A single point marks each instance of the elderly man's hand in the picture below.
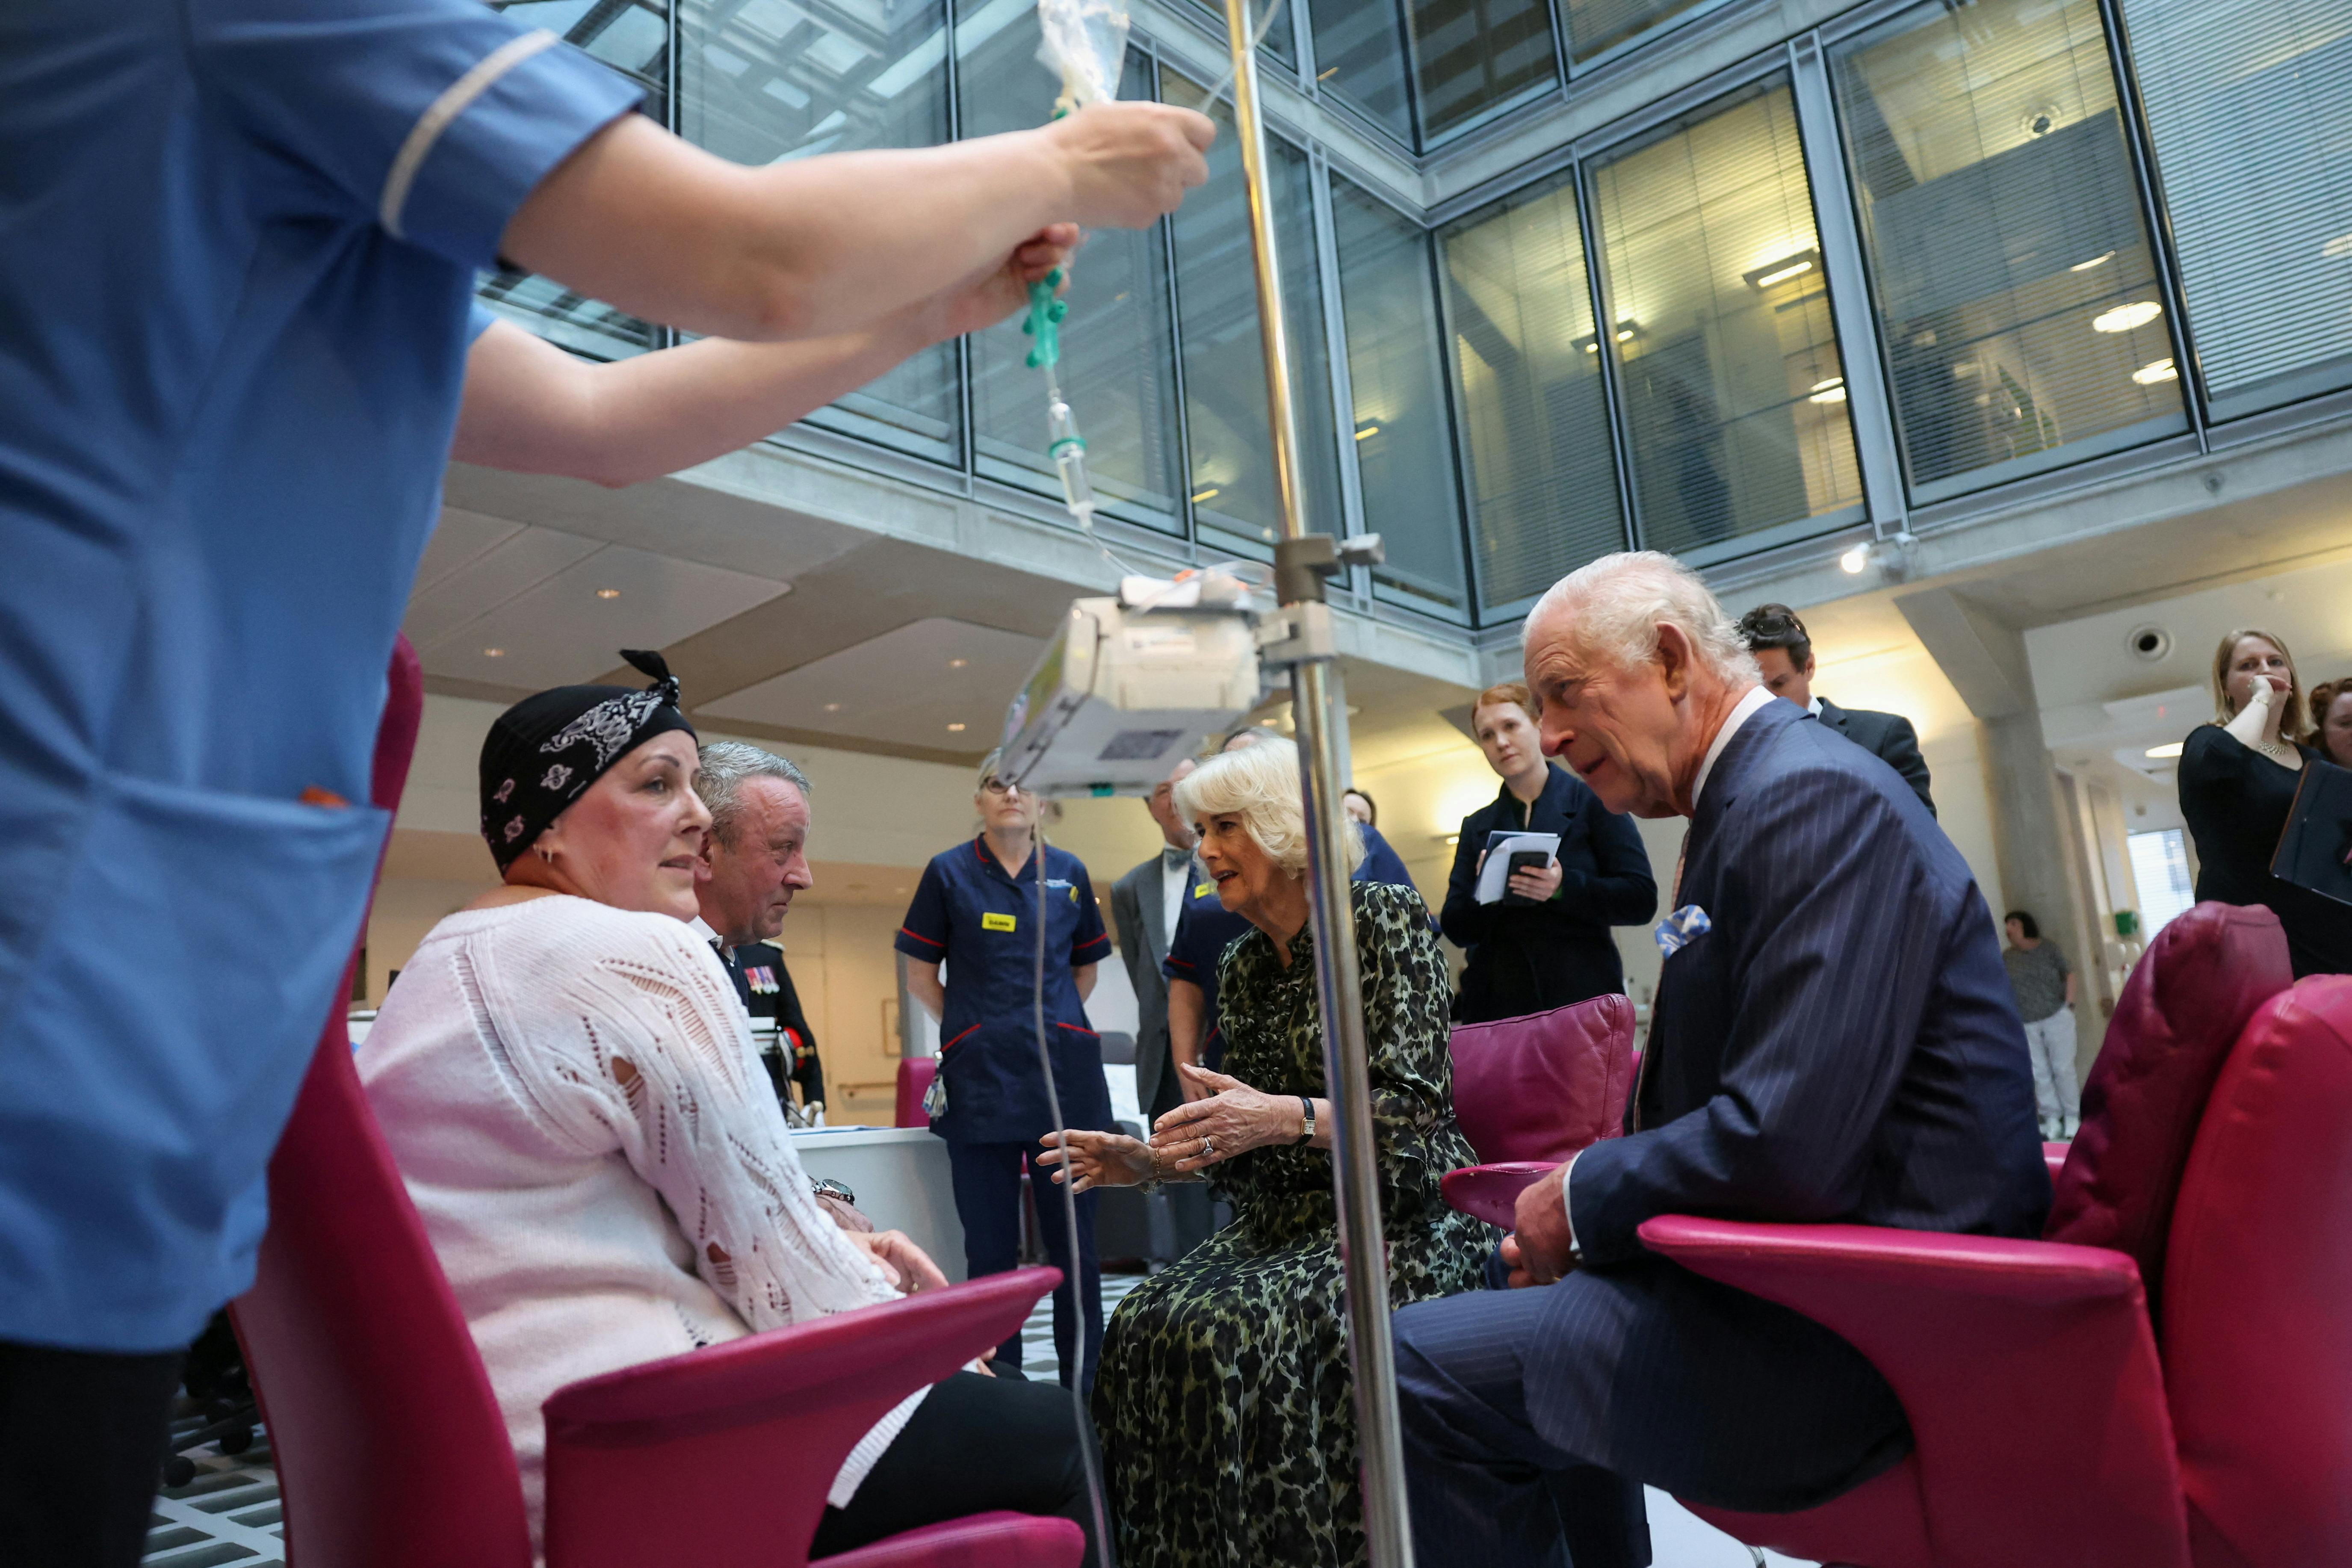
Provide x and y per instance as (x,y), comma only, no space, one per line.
(906,1266)
(1235,1118)
(1538,1251)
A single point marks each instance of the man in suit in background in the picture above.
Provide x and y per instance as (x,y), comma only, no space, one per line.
(754,858)
(1784,654)
(1144,906)
(1834,1040)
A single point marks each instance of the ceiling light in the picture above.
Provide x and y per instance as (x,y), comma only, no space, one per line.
(955,729)
(2124,318)
(1830,391)
(1592,347)
(832,707)
(1855,560)
(1782,271)
(2094,261)
(494,653)
(2163,754)
(1209,494)
(2337,249)
(958,663)
(1327,76)
(608,593)
(1368,431)
(2156,371)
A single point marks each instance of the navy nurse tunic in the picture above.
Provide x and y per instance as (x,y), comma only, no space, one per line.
(982,923)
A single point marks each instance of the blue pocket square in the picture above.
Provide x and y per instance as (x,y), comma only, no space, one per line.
(1677,930)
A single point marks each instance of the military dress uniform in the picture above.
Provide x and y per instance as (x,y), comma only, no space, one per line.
(764,986)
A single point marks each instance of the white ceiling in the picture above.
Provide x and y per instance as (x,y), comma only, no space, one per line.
(903,687)
(533,593)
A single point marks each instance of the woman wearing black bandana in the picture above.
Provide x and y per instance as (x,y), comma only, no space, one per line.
(569,1087)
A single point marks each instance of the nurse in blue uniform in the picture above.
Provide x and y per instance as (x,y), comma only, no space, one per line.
(976,912)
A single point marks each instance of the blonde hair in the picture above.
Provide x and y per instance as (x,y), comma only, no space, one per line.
(1620,601)
(1260,784)
(2291,714)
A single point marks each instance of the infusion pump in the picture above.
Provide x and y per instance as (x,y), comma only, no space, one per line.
(1130,685)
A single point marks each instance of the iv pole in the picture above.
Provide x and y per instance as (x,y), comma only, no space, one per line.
(1302,562)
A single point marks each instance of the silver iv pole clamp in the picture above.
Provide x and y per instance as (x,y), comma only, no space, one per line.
(1302,561)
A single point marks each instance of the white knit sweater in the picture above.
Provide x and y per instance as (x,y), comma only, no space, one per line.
(571,1095)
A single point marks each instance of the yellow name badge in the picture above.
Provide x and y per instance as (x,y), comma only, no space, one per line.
(1204,890)
(995,922)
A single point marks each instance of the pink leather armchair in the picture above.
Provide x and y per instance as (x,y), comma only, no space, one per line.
(2054,1423)
(1531,1091)
(390,1447)
(915,1076)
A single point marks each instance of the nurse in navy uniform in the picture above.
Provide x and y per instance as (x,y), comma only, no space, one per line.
(976,912)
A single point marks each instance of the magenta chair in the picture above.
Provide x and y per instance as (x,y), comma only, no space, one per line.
(915,1076)
(2060,1418)
(390,1447)
(1531,1091)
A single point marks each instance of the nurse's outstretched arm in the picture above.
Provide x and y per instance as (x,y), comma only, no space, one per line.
(642,220)
(531,408)
(1085,975)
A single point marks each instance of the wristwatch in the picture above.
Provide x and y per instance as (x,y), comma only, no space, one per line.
(826,1187)
(1306,1111)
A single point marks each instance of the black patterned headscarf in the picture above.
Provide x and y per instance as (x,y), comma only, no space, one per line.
(544,751)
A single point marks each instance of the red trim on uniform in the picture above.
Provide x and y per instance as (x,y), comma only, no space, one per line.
(943,1046)
(1074,1028)
(1104,939)
(919,936)
(1172,958)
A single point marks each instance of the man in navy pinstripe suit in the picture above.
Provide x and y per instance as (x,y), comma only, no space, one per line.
(1834,1040)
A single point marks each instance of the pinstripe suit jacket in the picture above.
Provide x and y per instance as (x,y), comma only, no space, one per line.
(1842,1043)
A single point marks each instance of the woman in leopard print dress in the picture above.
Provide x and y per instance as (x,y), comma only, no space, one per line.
(1225,1402)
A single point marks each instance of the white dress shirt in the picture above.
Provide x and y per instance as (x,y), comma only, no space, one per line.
(1745,708)
(1175,877)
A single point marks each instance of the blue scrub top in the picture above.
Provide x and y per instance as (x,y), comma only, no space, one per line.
(967,912)
(1205,928)
(239,240)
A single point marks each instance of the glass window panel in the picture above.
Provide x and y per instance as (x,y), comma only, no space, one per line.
(1116,366)
(1734,397)
(760,81)
(1232,488)
(2250,102)
(1360,55)
(1535,420)
(1595,26)
(1403,441)
(633,39)
(2016,290)
(1272,20)
(1476,55)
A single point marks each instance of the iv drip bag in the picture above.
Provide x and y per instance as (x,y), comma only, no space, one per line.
(1086,41)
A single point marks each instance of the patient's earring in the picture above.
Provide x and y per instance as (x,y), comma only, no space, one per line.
(546,855)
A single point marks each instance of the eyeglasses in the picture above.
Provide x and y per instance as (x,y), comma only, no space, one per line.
(998,786)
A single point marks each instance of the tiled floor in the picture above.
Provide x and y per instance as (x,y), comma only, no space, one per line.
(230,1513)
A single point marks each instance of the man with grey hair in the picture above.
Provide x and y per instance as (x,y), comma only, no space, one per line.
(754,859)
(1833,1040)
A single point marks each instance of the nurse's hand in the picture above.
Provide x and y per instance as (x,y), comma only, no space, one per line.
(906,1266)
(1128,163)
(1101,1160)
(1235,1118)
(987,297)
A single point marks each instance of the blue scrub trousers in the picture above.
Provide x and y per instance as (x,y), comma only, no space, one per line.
(988,1200)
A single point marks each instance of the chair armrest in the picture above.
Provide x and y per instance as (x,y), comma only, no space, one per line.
(723,1456)
(1491,1192)
(2028,1370)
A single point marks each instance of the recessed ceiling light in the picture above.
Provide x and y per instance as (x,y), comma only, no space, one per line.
(1855,560)
(1369,430)
(2157,370)
(2125,318)
(494,653)
(2094,261)
(958,663)
(832,707)
(608,593)
(2161,753)
(1830,391)
(956,729)
(1209,494)
(1782,271)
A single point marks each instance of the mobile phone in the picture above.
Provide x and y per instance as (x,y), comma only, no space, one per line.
(1522,860)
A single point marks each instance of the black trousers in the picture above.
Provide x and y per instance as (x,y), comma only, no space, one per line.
(974,1444)
(987,1180)
(81,1444)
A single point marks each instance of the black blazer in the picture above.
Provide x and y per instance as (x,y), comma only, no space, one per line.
(782,1005)
(1886,736)
(1529,958)
(1842,1043)
(1136,915)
